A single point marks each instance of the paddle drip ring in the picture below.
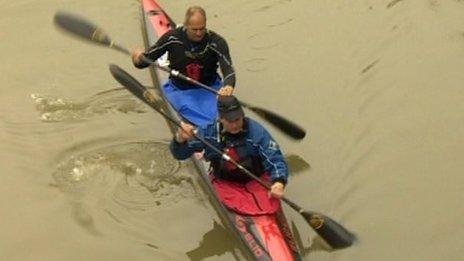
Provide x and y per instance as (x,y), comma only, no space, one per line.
(98,35)
(316,221)
(149,97)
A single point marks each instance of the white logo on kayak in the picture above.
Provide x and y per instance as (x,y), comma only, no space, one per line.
(273,145)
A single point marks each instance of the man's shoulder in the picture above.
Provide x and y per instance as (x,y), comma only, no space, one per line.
(255,128)
(253,123)
(175,33)
(178,31)
(208,129)
(215,37)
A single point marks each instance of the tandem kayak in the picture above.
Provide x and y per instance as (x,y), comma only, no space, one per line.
(262,237)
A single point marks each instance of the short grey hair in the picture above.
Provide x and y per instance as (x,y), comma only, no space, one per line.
(193,10)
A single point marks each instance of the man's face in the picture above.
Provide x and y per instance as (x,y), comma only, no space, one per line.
(196,27)
(232,127)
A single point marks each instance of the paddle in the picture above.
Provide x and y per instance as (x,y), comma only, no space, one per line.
(280,122)
(332,232)
(80,27)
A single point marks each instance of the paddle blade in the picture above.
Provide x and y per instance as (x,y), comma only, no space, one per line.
(129,82)
(134,86)
(333,233)
(296,164)
(279,122)
(137,89)
(80,27)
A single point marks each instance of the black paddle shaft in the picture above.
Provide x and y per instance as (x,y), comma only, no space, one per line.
(280,122)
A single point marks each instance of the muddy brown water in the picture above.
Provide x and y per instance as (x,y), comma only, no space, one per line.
(85,169)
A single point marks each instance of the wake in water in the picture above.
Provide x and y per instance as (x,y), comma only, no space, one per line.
(136,175)
(57,109)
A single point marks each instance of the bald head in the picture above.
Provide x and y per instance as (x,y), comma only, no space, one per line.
(195,23)
(194,10)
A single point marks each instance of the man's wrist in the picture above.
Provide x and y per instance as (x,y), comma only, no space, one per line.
(179,139)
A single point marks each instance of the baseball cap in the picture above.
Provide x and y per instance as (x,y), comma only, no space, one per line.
(229,108)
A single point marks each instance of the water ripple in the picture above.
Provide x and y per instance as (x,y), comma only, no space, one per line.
(135,175)
(57,109)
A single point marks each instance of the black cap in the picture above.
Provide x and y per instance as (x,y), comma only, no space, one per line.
(229,108)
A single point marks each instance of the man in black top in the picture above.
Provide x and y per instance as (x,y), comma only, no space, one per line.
(196,52)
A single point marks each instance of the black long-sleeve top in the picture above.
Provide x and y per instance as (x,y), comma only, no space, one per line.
(199,61)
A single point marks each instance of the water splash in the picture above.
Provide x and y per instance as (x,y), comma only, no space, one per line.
(57,109)
(137,175)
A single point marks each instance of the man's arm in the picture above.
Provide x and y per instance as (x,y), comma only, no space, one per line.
(272,157)
(225,63)
(274,163)
(141,59)
(183,145)
(181,151)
